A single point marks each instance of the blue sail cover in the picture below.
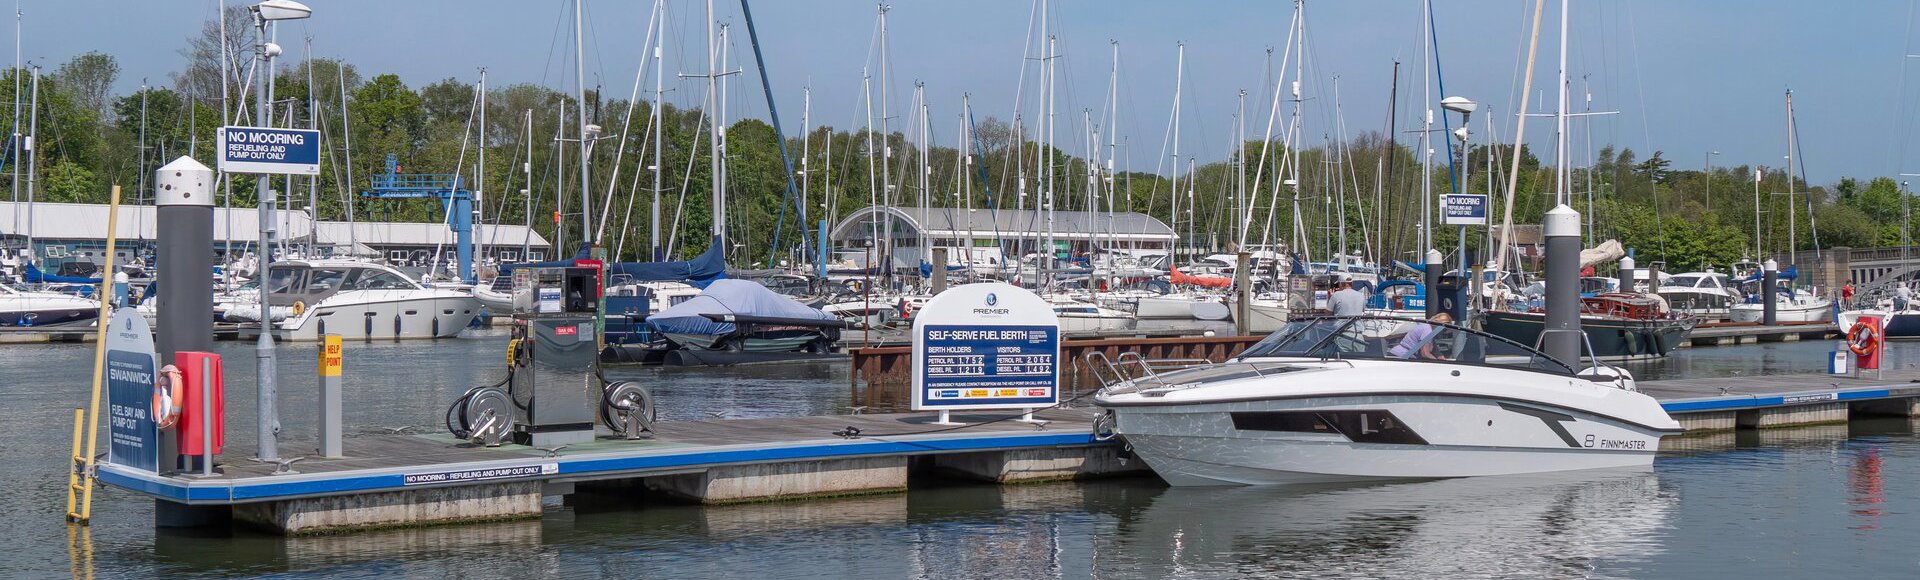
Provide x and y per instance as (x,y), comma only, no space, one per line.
(701,270)
(742,297)
(34,275)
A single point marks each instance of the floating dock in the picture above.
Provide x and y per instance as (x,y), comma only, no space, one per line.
(406,480)
(419,479)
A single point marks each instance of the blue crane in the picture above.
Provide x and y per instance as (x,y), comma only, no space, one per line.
(454,199)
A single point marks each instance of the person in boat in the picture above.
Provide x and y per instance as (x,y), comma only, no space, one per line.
(1418,343)
(1902,296)
(1345,300)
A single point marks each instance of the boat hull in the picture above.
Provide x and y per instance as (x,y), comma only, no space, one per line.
(1612,338)
(442,315)
(1816,312)
(1432,436)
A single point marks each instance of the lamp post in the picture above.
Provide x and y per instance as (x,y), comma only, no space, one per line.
(1465,108)
(1710,156)
(269,428)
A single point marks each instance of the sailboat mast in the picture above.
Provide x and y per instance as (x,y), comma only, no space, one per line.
(1792,244)
(346,137)
(479,174)
(1299,135)
(659,161)
(717,197)
(586,141)
(526,175)
(1426,129)
(1179,78)
(1560,117)
(806,149)
(1240,167)
(886,148)
(33,155)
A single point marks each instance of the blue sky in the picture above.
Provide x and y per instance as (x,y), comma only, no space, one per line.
(1687,76)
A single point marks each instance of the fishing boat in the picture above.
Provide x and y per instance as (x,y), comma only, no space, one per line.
(1319,402)
(1617,324)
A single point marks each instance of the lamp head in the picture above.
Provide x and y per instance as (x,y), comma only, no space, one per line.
(1459,105)
(282,10)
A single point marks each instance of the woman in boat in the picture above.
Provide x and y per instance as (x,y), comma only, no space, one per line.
(1418,343)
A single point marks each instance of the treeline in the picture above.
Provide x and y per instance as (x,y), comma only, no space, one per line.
(1366,188)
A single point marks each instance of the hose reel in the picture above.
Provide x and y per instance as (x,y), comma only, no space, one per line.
(628,409)
(483,416)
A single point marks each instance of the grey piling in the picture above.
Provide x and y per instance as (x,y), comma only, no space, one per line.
(1562,336)
(183,190)
(1432,281)
(1626,274)
(1242,293)
(1769,280)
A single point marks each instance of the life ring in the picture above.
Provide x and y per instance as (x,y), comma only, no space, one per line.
(167,393)
(1863,339)
(299,307)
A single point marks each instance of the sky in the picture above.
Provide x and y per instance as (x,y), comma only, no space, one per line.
(1686,76)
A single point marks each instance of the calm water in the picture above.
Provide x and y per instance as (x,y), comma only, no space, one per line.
(1830,501)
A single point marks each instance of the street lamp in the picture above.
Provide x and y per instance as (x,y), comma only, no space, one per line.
(1710,156)
(269,429)
(1465,108)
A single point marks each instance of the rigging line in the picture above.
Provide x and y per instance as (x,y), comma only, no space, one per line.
(1639,83)
(1799,154)
(626,126)
(1904,106)
(786,160)
(1446,124)
(459,162)
(686,182)
(1266,145)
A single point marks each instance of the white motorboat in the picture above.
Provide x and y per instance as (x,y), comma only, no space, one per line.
(1319,402)
(42,309)
(1703,294)
(1265,313)
(356,300)
(1894,324)
(1789,306)
(1081,317)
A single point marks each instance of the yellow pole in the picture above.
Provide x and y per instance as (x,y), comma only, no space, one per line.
(85,483)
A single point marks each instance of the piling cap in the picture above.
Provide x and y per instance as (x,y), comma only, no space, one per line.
(1626,263)
(1770,265)
(183,182)
(1434,257)
(1562,221)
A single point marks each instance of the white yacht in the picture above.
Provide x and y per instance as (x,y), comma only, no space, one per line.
(1703,294)
(1081,317)
(356,300)
(1789,306)
(1319,402)
(41,309)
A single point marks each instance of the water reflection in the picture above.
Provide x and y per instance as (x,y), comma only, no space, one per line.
(1524,526)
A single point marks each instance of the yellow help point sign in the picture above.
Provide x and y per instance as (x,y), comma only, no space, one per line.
(330,356)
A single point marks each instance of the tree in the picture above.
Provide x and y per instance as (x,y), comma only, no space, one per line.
(90,76)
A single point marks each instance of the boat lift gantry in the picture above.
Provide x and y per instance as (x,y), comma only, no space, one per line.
(454,199)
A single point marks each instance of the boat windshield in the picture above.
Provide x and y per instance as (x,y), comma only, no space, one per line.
(1349,338)
(1681,281)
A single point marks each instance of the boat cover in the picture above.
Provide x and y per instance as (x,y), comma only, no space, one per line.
(35,276)
(741,297)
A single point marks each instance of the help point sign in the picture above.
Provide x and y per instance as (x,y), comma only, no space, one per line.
(268,150)
(986,346)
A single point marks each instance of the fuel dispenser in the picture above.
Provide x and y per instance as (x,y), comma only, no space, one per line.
(553,391)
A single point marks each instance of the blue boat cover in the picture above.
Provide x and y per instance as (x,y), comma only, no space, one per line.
(1792,271)
(700,271)
(35,276)
(743,297)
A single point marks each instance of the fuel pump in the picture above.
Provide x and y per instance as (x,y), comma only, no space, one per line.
(553,390)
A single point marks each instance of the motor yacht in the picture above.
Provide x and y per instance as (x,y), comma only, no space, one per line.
(41,309)
(1319,402)
(1703,294)
(356,300)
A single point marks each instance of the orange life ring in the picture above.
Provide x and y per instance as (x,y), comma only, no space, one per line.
(1863,339)
(167,393)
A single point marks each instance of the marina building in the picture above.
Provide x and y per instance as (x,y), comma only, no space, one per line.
(1011,231)
(77,233)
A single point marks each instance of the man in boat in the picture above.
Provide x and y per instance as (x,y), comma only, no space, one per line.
(1418,343)
(1902,296)
(1345,300)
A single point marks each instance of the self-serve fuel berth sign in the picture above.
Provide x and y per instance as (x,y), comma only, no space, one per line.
(268,150)
(986,346)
